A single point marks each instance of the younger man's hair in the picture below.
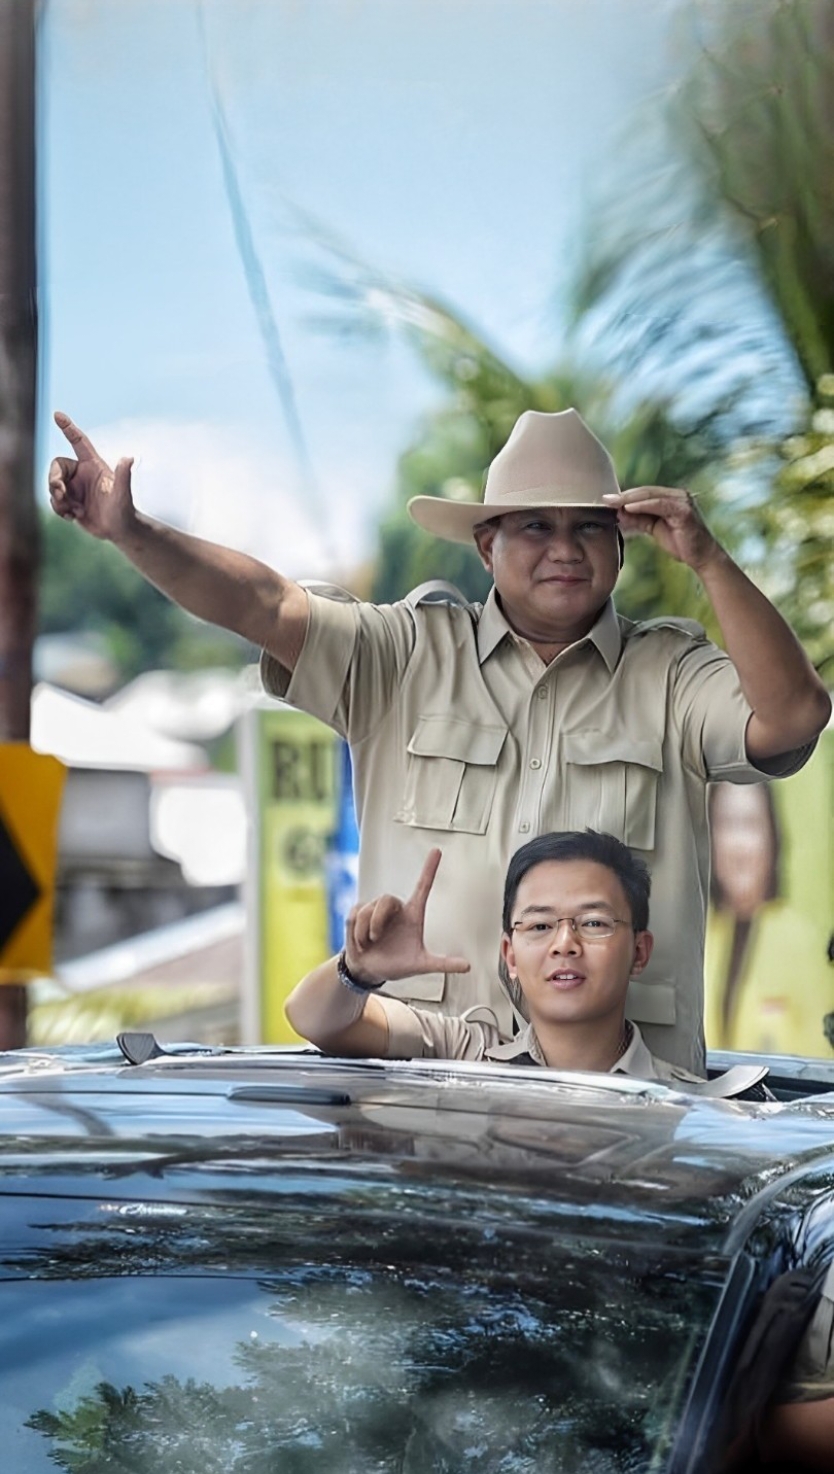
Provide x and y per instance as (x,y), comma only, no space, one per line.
(588,844)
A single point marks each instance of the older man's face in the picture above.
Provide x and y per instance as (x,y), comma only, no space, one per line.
(553,569)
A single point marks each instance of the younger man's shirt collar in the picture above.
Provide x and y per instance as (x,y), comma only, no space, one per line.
(637,1059)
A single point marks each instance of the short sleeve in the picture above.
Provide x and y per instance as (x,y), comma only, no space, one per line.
(812,1373)
(713,714)
(352,661)
(414,1033)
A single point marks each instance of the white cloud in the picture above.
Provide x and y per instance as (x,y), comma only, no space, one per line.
(244,491)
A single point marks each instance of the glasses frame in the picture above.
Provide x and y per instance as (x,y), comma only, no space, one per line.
(574,923)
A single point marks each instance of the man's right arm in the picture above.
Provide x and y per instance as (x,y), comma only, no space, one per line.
(383,940)
(335,1018)
(217,584)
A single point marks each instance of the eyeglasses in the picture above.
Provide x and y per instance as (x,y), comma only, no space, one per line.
(591,926)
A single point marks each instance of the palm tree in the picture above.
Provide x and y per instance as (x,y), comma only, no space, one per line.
(727,295)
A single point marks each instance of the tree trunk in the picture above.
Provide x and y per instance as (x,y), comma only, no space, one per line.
(18,361)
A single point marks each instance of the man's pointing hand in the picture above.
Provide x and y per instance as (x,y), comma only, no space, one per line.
(85,490)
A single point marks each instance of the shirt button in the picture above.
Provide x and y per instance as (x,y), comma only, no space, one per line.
(535,762)
(542,693)
(524,828)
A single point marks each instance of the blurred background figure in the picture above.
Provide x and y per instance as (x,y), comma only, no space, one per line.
(745,876)
(769,983)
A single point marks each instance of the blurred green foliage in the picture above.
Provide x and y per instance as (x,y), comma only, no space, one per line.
(710,269)
(88,587)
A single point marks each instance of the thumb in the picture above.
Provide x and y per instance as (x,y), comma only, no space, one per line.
(449,964)
(121,476)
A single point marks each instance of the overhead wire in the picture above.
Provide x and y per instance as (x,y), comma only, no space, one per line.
(259,295)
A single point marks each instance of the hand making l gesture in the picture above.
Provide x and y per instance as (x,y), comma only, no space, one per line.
(384,938)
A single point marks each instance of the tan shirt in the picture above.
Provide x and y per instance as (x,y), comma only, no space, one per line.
(462,737)
(811,1377)
(414,1033)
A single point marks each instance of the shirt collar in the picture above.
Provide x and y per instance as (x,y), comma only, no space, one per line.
(637,1060)
(605,633)
(524,1042)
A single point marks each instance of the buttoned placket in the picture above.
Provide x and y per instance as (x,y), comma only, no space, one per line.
(536,766)
(539,736)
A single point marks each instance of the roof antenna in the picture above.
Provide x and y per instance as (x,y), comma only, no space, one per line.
(139,1048)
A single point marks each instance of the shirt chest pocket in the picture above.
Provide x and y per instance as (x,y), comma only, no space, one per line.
(610,783)
(451,774)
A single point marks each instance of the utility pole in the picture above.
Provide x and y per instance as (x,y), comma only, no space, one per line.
(18,377)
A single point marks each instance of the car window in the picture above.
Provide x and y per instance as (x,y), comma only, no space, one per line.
(363,1331)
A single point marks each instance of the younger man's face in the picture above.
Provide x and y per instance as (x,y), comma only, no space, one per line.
(573,975)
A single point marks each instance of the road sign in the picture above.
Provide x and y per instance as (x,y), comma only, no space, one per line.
(30,799)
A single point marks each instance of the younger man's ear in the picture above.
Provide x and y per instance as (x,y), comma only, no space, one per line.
(508,955)
(643,944)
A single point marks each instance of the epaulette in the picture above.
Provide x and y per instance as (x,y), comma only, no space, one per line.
(668,622)
(436,591)
(332,591)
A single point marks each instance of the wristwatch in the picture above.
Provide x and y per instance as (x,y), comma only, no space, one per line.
(347,979)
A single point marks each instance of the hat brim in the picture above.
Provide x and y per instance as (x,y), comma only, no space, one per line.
(456,521)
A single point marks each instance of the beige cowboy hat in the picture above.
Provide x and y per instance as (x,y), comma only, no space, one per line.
(550,460)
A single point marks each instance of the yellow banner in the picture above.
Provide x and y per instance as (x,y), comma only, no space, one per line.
(297,801)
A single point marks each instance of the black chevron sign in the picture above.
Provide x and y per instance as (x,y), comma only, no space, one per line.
(18,889)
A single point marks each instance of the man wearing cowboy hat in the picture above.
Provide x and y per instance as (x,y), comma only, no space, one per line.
(476,727)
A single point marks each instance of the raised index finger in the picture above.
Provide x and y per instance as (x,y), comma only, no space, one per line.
(425,882)
(84,448)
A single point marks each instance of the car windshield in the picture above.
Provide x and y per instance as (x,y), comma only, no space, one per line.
(365,1331)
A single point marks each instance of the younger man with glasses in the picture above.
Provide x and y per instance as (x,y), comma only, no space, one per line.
(575,931)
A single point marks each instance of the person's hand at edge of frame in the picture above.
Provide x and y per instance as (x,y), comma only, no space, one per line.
(384,938)
(85,489)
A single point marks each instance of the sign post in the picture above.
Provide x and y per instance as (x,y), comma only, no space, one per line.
(289,769)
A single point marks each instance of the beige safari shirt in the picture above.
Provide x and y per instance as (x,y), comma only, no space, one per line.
(462,737)
(414,1033)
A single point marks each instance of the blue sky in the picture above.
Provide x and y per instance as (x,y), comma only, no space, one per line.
(454,143)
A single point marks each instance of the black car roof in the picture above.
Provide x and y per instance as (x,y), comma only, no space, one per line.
(618,1154)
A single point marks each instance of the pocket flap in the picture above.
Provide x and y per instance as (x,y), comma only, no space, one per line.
(467,742)
(429,987)
(591,747)
(651,1003)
